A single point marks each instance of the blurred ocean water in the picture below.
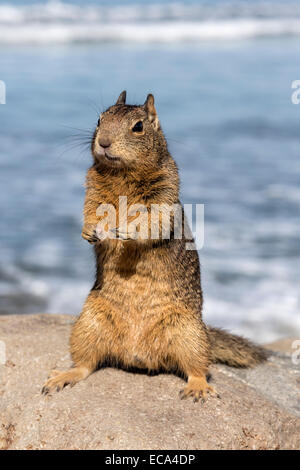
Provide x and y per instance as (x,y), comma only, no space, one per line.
(145,21)
(221,72)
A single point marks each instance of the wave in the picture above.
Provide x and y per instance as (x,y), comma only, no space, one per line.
(57,22)
(151,32)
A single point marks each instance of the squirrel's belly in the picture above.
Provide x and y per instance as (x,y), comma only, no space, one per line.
(143,304)
(139,355)
(135,328)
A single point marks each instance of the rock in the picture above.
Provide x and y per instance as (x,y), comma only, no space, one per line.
(286,345)
(114,409)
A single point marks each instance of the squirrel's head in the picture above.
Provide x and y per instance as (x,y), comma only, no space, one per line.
(128,135)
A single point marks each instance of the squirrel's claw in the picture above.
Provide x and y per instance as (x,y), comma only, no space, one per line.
(90,237)
(198,389)
(122,234)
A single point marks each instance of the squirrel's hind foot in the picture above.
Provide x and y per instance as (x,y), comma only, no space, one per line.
(198,388)
(58,380)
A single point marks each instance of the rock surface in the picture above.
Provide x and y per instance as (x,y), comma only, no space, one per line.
(114,409)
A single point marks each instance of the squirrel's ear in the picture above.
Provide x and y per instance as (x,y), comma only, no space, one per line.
(122,98)
(151,111)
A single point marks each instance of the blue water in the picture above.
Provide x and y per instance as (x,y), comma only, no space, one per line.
(225,106)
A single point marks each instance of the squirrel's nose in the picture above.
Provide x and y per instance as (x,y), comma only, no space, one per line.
(104,142)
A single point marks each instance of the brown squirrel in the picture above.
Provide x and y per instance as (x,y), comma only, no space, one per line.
(145,308)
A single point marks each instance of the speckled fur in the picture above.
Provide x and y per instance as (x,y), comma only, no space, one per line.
(144,310)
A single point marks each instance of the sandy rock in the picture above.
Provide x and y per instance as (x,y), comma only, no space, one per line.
(114,409)
(286,345)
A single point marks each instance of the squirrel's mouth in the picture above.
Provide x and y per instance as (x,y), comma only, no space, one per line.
(110,157)
(105,155)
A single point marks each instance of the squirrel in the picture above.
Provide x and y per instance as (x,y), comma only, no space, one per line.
(145,308)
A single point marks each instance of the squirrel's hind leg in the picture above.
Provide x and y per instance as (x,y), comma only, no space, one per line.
(191,353)
(88,345)
(58,380)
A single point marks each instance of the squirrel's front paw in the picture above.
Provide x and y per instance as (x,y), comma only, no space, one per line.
(89,234)
(124,234)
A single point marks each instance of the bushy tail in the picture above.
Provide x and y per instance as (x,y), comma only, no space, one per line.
(234,350)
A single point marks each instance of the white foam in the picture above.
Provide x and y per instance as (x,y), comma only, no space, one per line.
(152,33)
(57,22)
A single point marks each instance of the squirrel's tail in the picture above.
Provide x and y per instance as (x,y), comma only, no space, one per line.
(234,350)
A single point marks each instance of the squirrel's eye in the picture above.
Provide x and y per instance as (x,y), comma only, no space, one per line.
(138,127)
(98,123)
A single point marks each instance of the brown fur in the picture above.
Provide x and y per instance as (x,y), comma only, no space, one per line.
(144,310)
